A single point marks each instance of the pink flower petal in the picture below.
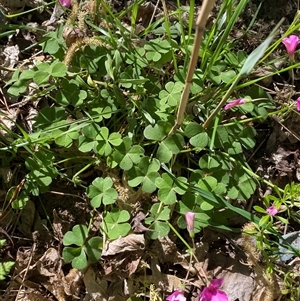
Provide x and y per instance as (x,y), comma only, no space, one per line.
(219,296)
(211,292)
(291,44)
(176,296)
(298,104)
(190,219)
(217,283)
(65,3)
(272,210)
(234,103)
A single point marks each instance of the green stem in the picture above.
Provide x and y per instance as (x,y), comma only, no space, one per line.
(180,237)
(82,170)
(258,117)
(222,102)
(28,11)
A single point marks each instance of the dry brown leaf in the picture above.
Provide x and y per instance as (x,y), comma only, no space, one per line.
(137,226)
(95,287)
(50,263)
(7,121)
(33,295)
(72,283)
(9,58)
(145,13)
(60,226)
(130,243)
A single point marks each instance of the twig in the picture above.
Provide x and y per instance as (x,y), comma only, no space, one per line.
(200,27)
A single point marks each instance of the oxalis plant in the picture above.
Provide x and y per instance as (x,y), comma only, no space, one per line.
(152,120)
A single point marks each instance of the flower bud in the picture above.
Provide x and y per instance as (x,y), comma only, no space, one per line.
(190,221)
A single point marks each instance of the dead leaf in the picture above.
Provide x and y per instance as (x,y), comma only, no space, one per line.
(137,226)
(72,283)
(7,121)
(130,243)
(60,226)
(95,287)
(50,263)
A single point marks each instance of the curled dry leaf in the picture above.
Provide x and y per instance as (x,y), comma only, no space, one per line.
(60,286)
(9,57)
(50,263)
(7,121)
(137,226)
(130,243)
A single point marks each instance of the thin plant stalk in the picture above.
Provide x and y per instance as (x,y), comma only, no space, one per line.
(200,27)
(222,102)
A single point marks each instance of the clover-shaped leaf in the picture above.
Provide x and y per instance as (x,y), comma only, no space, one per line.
(66,138)
(58,69)
(42,75)
(86,141)
(168,188)
(145,173)
(79,250)
(105,141)
(158,131)
(77,236)
(211,184)
(127,155)
(157,221)
(93,248)
(39,180)
(116,225)
(44,119)
(215,162)
(156,49)
(101,112)
(76,256)
(196,133)
(172,94)
(246,137)
(241,185)
(101,192)
(70,94)
(91,130)
(169,147)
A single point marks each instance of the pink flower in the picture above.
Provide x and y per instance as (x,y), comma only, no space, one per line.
(298,104)
(212,293)
(65,3)
(190,220)
(272,210)
(290,44)
(176,296)
(234,103)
